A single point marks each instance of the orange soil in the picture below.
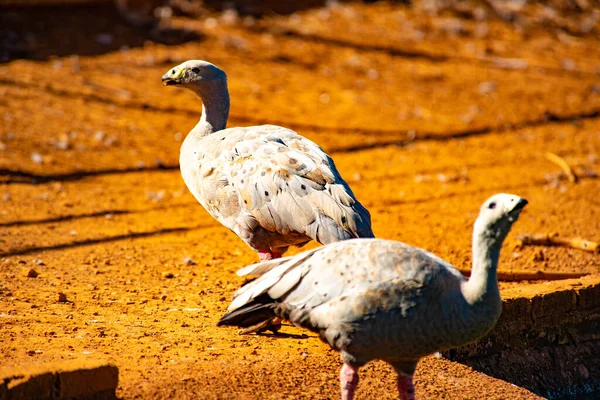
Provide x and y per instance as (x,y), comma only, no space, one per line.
(423,130)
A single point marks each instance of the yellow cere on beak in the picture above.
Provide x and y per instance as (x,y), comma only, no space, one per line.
(174,76)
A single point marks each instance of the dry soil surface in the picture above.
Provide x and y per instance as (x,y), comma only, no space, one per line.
(424,116)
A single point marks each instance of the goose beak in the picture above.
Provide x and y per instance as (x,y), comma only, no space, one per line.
(173,76)
(520,204)
(516,209)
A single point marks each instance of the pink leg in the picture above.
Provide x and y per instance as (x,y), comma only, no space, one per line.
(265,255)
(406,387)
(349,381)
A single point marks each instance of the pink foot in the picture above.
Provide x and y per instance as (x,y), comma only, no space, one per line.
(406,388)
(265,255)
(349,381)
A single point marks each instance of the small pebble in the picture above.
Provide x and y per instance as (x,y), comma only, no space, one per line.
(30,273)
(156,196)
(487,87)
(37,158)
(210,23)
(104,38)
(62,298)
(99,136)
(538,256)
(167,275)
(189,261)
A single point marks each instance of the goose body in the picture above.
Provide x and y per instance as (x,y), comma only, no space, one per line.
(271,186)
(380,299)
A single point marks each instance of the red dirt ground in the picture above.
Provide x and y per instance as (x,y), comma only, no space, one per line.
(425,117)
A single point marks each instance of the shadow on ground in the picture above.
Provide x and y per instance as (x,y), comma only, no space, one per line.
(39,33)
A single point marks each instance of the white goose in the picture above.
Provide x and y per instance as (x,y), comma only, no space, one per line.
(379,299)
(269,185)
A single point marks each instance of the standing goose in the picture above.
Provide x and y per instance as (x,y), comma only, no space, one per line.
(380,299)
(269,185)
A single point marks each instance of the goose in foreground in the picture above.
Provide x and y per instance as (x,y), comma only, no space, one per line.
(269,185)
(380,299)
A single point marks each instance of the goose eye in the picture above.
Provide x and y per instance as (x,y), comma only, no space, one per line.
(196,70)
(492,205)
(172,72)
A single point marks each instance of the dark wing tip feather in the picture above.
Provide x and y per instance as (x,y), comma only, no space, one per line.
(260,310)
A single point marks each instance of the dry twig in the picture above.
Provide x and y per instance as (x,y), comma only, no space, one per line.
(544,239)
(516,276)
(558,160)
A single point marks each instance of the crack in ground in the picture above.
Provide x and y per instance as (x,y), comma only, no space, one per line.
(103,213)
(86,242)
(15,176)
(418,54)
(548,119)
(385,204)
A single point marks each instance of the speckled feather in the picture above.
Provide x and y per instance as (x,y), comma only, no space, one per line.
(272,187)
(370,299)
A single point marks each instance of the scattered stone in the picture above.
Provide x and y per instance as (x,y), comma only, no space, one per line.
(372,74)
(30,273)
(163,297)
(37,158)
(210,23)
(76,66)
(104,38)
(156,196)
(569,64)
(167,275)
(487,87)
(189,261)
(99,136)
(538,256)
(37,261)
(62,143)
(62,298)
